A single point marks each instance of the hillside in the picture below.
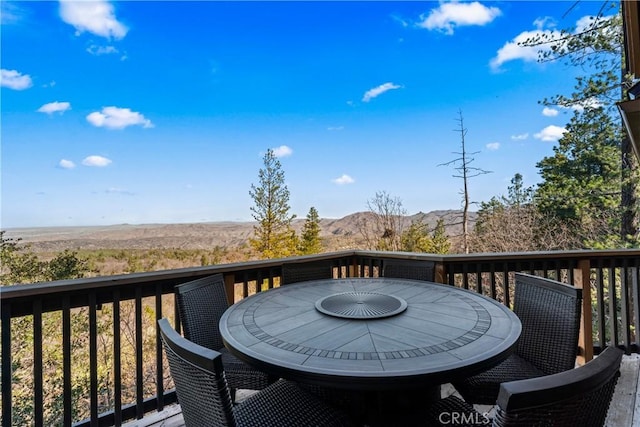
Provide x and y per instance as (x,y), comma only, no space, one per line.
(338,234)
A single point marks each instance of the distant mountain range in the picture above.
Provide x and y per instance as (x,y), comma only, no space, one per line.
(338,234)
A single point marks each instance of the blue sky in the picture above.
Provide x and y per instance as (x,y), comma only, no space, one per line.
(161,112)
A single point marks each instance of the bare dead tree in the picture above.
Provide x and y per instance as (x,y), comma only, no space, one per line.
(462,164)
(383,228)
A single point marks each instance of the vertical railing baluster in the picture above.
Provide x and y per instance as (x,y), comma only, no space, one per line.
(465,276)
(38,400)
(479,279)
(159,367)
(93,358)
(7,379)
(452,273)
(66,361)
(492,273)
(271,277)
(635,286)
(505,285)
(259,281)
(245,285)
(602,337)
(570,277)
(613,306)
(139,361)
(117,362)
(624,305)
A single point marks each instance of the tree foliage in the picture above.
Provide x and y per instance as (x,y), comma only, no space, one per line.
(596,47)
(18,264)
(310,242)
(273,235)
(418,238)
(581,181)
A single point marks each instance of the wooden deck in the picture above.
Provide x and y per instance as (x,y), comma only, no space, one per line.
(623,412)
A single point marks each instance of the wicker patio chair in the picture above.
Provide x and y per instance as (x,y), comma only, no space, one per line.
(578,397)
(201,303)
(550,315)
(199,377)
(412,269)
(299,272)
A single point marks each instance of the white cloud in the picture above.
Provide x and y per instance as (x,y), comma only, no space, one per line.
(66,164)
(457,14)
(520,137)
(512,49)
(118,118)
(377,91)
(282,151)
(94,16)
(343,180)
(15,80)
(400,20)
(551,133)
(549,112)
(333,128)
(98,161)
(493,146)
(102,50)
(54,107)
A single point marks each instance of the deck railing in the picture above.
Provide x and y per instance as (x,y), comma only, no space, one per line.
(87,352)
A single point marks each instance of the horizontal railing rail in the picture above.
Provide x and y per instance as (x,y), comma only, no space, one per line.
(87,351)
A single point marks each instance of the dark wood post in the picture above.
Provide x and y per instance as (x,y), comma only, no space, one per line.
(582,280)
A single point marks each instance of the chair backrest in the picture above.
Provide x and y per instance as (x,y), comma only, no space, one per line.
(299,272)
(409,269)
(550,315)
(578,397)
(201,304)
(199,379)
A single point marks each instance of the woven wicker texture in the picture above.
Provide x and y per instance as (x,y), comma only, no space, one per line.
(199,377)
(585,410)
(202,391)
(300,272)
(350,401)
(550,315)
(284,404)
(402,269)
(578,397)
(201,303)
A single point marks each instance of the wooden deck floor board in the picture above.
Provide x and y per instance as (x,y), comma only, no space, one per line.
(625,405)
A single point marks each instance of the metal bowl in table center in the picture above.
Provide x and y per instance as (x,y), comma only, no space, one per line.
(361,305)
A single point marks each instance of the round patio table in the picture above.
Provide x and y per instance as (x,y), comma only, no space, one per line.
(370,334)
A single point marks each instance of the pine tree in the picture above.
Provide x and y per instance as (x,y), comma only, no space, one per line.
(273,235)
(310,242)
(417,238)
(581,181)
